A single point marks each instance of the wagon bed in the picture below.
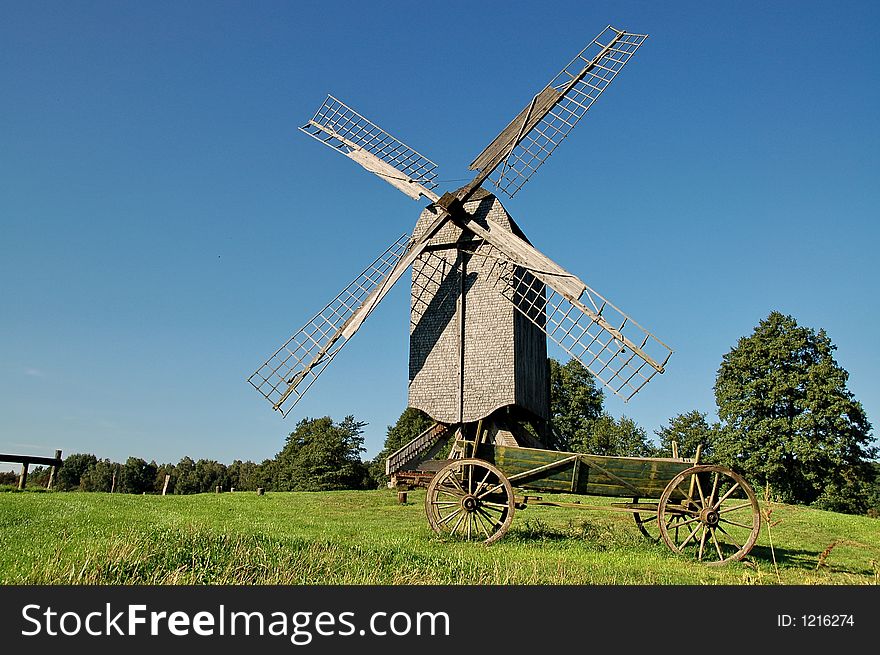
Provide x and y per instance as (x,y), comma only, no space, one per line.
(704,511)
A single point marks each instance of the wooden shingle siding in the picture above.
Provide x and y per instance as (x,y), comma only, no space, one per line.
(505,356)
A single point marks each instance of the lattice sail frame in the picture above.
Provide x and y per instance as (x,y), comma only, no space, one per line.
(618,351)
(340,127)
(295,366)
(581,83)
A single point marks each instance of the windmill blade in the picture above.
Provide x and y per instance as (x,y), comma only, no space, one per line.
(295,366)
(303,357)
(340,127)
(618,351)
(530,138)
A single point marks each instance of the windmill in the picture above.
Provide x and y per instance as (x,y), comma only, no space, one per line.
(484,300)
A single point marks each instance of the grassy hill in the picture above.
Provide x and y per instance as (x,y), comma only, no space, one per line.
(368,538)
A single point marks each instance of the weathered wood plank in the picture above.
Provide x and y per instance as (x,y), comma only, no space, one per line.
(524,254)
(497,151)
(621,476)
(32,459)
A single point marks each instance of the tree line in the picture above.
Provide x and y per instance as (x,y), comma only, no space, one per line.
(787,421)
(319,455)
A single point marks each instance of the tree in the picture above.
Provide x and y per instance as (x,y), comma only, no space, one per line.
(159,482)
(321,455)
(210,474)
(137,476)
(74,469)
(575,403)
(243,475)
(410,424)
(100,476)
(606,436)
(185,479)
(690,430)
(789,420)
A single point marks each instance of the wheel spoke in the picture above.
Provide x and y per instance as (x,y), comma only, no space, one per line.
(734,508)
(498,486)
(717,546)
(681,524)
(483,481)
(449,493)
(726,486)
(690,536)
(494,523)
(686,494)
(702,543)
(452,490)
(648,520)
(455,482)
(730,537)
(700,490)
(726,495)
(483,524)
(714,489)
(739,525)
(448,517)
(458,523)
(490,505)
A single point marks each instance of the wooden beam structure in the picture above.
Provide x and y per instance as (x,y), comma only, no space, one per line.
(27,460)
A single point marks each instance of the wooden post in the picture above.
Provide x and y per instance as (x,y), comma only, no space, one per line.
(401,497)
(113,483)
(217,490)
(22,479)
(53,471)
(165,484)
(674,449)
(260,491)
(231,489)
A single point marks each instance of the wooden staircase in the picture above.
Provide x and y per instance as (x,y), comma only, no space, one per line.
(409,456)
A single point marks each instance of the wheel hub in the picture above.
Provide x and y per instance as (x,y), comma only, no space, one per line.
(470,503)
(709,516)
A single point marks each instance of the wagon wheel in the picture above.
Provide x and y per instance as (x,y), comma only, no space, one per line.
(718,519)
(470,499)
(646,522)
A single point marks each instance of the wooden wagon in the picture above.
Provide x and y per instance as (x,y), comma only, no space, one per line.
(706,512)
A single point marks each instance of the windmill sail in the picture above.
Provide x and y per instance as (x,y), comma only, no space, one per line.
(526,143)
(295,366)
(618,351)
(340,127)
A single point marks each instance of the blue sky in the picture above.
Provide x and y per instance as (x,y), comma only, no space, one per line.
(165,226)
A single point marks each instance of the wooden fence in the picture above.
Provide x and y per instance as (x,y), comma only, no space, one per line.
(27,460)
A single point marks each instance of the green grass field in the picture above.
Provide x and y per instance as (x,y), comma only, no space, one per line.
(368,538)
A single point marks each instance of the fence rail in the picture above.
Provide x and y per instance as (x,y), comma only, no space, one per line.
(27,460)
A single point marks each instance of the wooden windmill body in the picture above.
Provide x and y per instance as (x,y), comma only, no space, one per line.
(484,300)
(472,354)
